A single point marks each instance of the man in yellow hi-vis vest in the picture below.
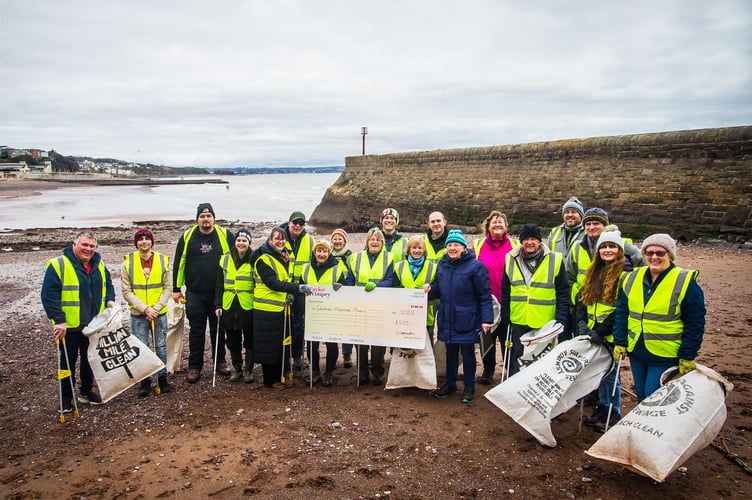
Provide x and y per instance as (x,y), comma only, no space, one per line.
(146,283)
(197,255)
(76,287)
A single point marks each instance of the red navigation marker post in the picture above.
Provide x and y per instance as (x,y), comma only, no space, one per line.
(364,132)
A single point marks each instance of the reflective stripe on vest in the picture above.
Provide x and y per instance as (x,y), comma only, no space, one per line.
(582,261)
(658,321)
(308,276)
(305,252)
(426,275)
(237,282)
(264,298)
(70,296)
(398,250)
(533,305)
(361,268)
(221,234)
(148,290)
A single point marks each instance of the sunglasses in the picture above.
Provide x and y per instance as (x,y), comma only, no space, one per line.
(657,253)
(298,222)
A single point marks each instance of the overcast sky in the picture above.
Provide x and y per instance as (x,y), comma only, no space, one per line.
(254,83)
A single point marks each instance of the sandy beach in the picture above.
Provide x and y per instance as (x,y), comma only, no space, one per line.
(237,440)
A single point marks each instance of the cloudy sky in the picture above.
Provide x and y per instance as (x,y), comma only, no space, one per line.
(285,82)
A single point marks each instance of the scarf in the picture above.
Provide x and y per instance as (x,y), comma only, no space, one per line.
(415,264)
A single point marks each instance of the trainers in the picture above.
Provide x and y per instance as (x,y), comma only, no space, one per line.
(347,358)
(67,405)
(235,375)
(444,391)
(223,369)
(486,378)
(248,377)
(89,397)
(145,388)
(164,385)
(378,380)
(194,374)
(468,394)
(326,379)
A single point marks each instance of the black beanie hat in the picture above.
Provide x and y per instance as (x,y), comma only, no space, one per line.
(203,208)
(530,231)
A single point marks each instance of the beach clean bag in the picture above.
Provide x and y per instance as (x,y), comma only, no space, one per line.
(669,426)
(537,343)
(175,330)
(117,358)
(412,368)
(552,385)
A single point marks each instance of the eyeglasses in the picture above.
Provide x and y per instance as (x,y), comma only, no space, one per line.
(298,222)
(657,253)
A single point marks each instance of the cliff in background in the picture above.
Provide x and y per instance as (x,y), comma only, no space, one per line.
(688,183)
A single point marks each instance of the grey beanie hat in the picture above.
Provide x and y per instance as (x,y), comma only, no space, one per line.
(661,240)
(610,237)
(575,204)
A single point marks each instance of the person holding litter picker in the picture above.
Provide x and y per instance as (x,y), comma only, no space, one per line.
(76,287)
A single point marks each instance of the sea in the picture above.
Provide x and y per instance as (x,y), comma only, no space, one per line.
(246,198)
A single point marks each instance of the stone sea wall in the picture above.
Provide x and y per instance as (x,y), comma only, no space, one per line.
(689,183)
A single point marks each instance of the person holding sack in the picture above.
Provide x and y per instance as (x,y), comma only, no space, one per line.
(146,282)
(234,303)
(660,316)
(595,313)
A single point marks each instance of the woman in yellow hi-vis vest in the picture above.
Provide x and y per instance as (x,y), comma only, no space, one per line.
(234,303)
(415,271)
(274,290)
(594,316)
(660,316)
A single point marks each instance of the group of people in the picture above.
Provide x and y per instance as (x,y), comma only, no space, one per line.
(584,276)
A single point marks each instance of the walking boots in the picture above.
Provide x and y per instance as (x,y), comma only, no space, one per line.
(248,367)
(237,366)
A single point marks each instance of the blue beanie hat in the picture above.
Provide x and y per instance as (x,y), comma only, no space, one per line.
(456,236)
(595,214)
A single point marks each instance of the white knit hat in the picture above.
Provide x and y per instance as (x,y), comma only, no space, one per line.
(610,237)
(661,240)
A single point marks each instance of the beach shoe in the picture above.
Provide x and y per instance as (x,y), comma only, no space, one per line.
(486,378)
(468,394)
(378,380)
(164,385)
(326,379)
(598,416)
(601,426)
(89,397)
(223,369)
(444,391)
(145,388)
(194,374)
(248,377)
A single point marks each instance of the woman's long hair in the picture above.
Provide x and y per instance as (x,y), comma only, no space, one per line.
(602,280)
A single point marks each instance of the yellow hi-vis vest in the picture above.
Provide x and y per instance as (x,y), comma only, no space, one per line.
(302,257)
(533,305)
(426,275)
(432,254)
(361,268)
(478,244)
(264,298)
(148,290)
(221,233)
(398,250)
(70,298)
(237,282)
(598,312)
(582,260)
(658,321)
(330,276)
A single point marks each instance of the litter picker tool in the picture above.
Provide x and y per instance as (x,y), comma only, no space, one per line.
(216,353)
(287,344)
(613,392)
(507,360)
(154,340)
(76,414)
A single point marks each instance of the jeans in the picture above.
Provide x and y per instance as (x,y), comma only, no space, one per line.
(489,360)
(468,363)
(140,328)
(75,343)
(647,375)
(347,349)
(198,309)
(607,388)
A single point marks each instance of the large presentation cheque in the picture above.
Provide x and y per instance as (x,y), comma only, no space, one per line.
(393,317)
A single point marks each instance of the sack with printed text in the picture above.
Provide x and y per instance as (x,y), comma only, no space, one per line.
(669,426)
(175,330)
(117,358)
(412,368)
(552,385)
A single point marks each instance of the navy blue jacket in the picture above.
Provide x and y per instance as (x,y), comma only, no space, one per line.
(90,290)
(462,287)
